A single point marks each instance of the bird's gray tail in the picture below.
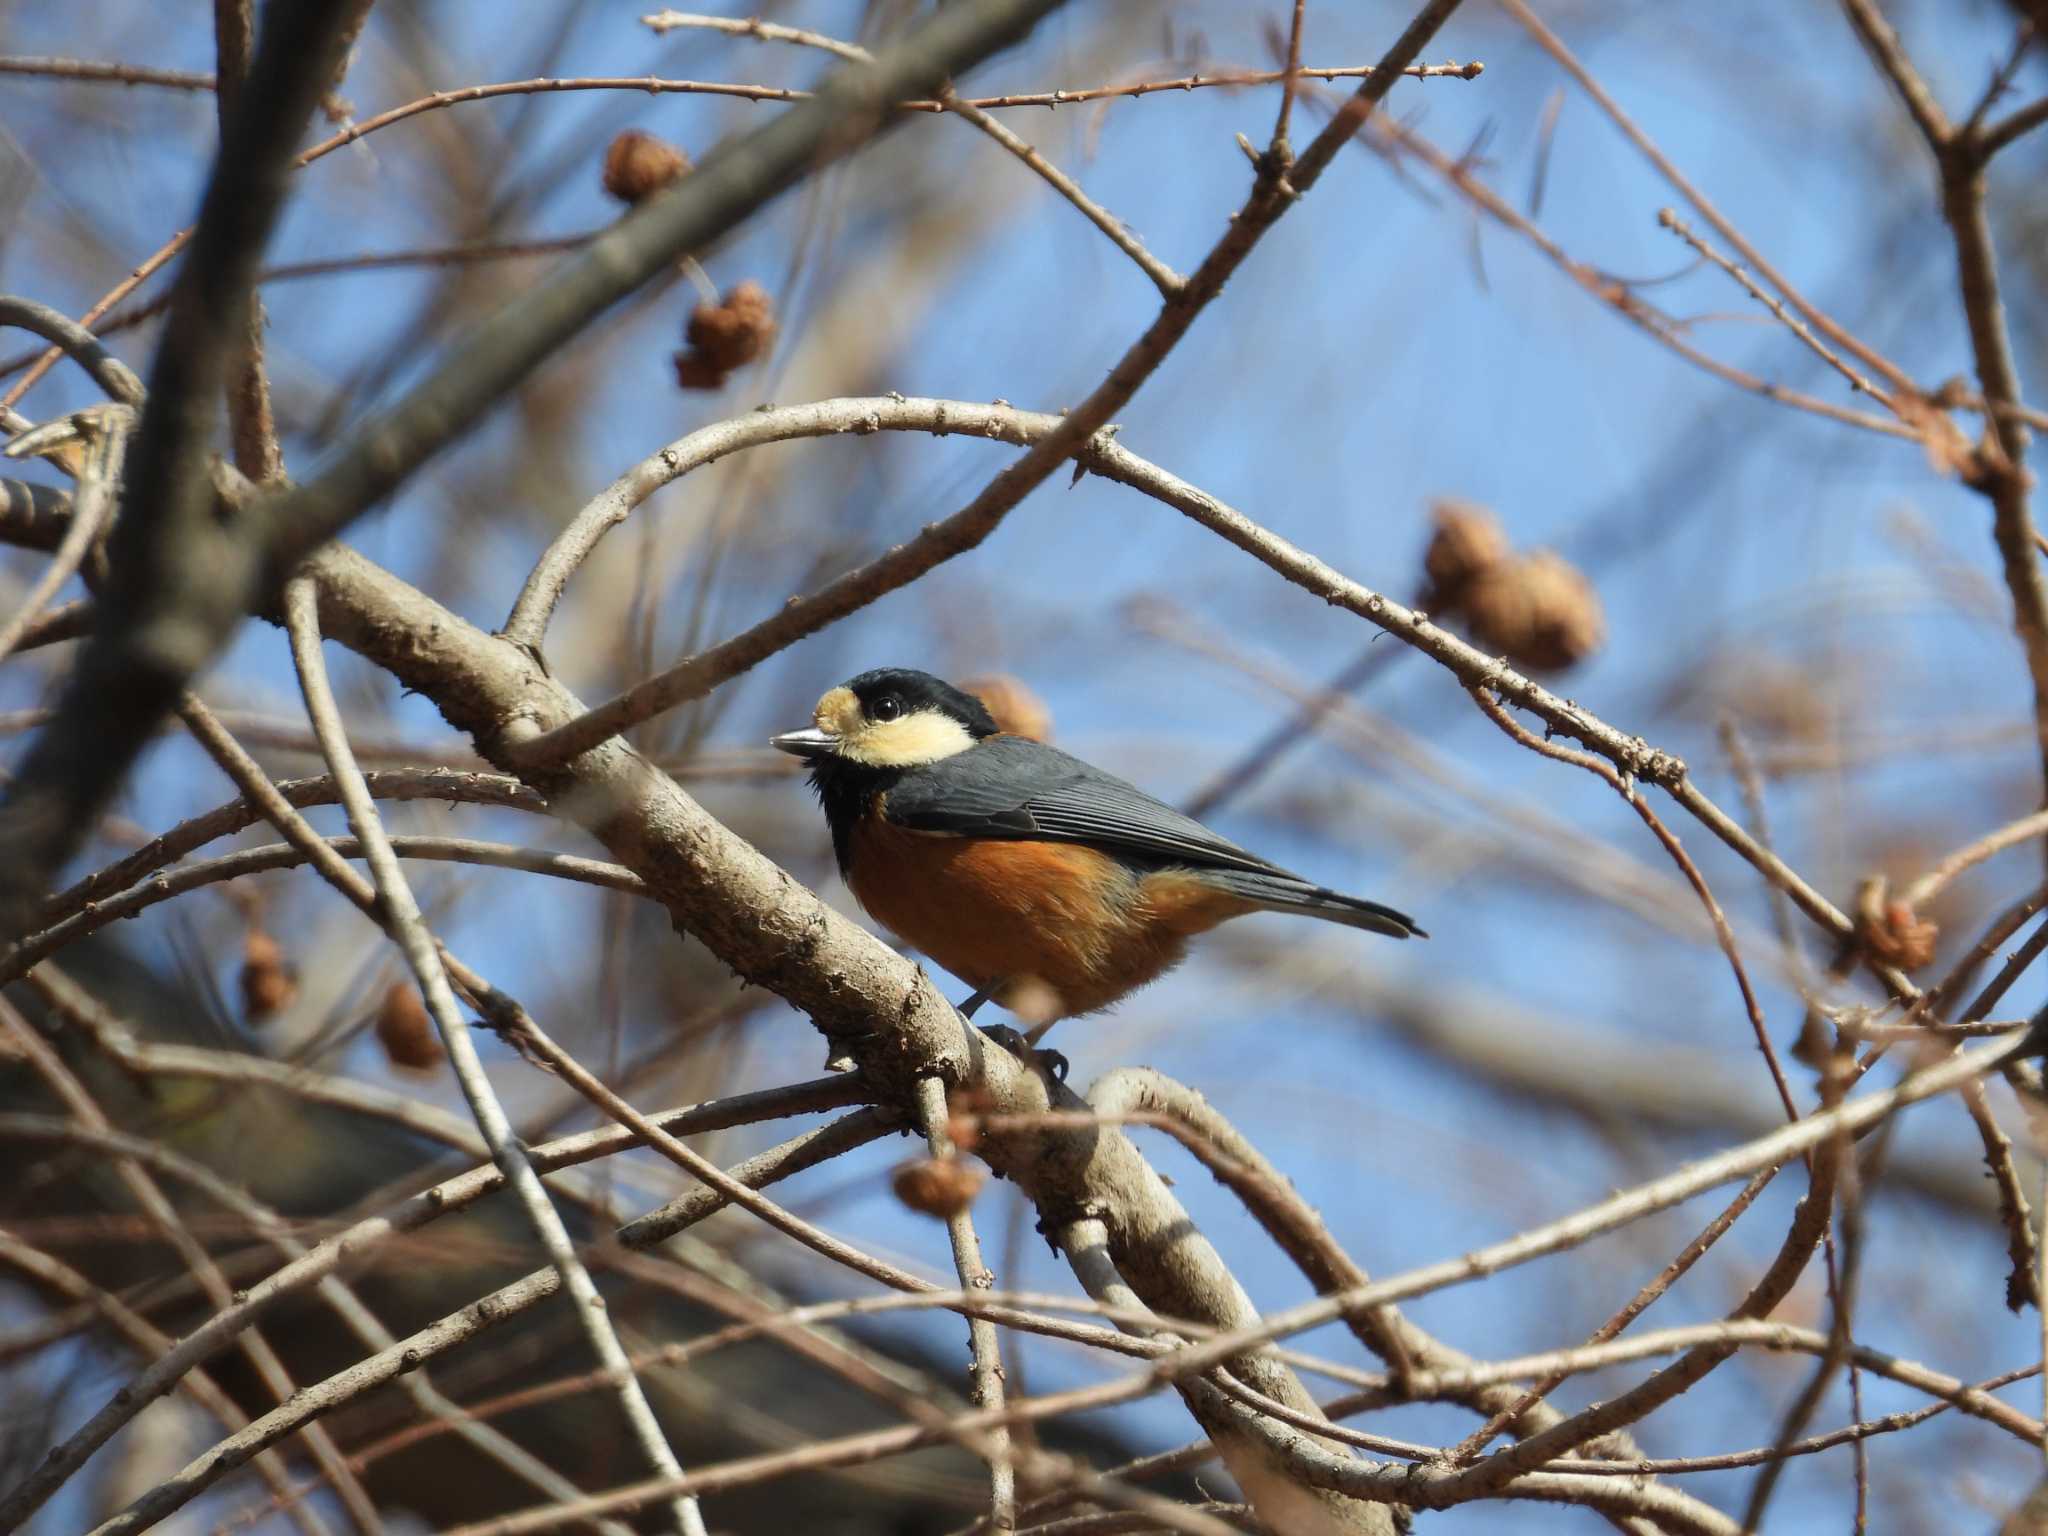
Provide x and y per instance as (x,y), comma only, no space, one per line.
(1288,893)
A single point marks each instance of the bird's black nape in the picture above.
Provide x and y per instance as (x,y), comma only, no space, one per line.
(914,691)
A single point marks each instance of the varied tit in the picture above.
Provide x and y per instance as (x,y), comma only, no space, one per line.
(1009,862)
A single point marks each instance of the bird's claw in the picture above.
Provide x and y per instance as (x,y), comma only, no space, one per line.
(1019,1045)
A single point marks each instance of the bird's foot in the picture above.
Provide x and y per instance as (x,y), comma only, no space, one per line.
(1019,1045)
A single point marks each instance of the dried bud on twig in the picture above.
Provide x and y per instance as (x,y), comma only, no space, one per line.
(406,1031)
(1537,610)
(1892,931)
(269,981)
(726,336)
(1467,541)
(964,1109)
(937,1186)
(638,165)
(1017,709)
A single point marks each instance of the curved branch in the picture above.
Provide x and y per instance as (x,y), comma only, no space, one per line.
(62,332)
(399,911)
(1273,193)
(105,430)
(42,944)
(141,1335)
(237,815)
(445,1416)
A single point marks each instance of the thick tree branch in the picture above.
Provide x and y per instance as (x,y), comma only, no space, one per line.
(728,186)
(401,913)
(178,579)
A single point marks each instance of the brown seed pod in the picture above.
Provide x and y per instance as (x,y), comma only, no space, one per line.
(1467,541)
(270,983)
(406,1031)
(1018,710)
(637,165)
(964,1109)
(937,1186)
(1537,610)
(1890,930)
(726,336)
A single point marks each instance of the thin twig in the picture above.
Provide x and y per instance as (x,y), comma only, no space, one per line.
(1931,884)
(1889,54)
(324,1258)
(1141,1096)
(1469,1449)
(1259,759)
(1619,296)
(755,27)
(1810,1223)
(650,84)
(423,955)
(104,71)
(1553,45)
(164,1218)
(1164,278)
(1290,87)
(105,429)
(1668,218)
(145,1339)
(862,1448)
(196,832)
(68,337)
(985,1370)
(2011,128)
(1267,203)
(369,261)
(439,1414)
(1725,935)
(1658,1194)
(1998,470)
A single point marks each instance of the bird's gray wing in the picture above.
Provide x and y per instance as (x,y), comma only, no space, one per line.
(1011,787)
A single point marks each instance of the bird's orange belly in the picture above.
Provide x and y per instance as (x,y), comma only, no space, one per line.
(1060,914)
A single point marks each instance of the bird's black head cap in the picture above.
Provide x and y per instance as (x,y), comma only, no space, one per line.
(907,691)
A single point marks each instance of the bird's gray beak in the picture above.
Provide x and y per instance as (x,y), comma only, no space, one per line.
(806,743)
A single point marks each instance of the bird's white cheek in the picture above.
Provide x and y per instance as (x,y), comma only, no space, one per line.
(926,737)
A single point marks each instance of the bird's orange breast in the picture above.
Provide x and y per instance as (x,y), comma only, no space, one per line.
(992,910)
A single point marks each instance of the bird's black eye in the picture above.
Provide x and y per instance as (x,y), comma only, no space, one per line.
(888,707)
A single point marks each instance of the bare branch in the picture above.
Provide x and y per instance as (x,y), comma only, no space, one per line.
(105,430)
(394,901)
(967,528)
(177,579)
(1889,54)
(140,1335)
(164,1218)
(70,339)
(1819,320)
(1164,278)
(986,1369)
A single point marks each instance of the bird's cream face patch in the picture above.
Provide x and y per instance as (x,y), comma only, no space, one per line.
(906,742)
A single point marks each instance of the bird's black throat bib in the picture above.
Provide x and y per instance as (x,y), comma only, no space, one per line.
(847,792)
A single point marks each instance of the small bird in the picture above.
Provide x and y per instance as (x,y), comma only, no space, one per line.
(1015,865)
